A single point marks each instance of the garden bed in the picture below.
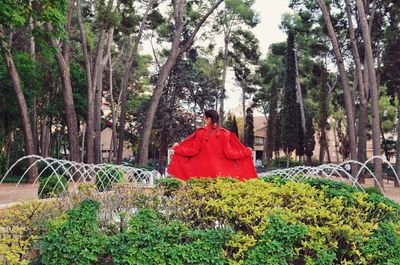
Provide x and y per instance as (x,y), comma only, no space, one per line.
(208,221)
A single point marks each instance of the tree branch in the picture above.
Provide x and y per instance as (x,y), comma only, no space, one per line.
(189,42)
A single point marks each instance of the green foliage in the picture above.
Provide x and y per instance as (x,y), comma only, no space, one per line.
(249,129)
(169,185)
(338,218)
(379,206)
(280,162)
(384,245)
(231,124)
(277,244)
(52,185)
(75,240)
(21,225)
(150,239)
(290,107)
(107,176)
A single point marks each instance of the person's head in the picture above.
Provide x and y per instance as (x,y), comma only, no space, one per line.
(211,117)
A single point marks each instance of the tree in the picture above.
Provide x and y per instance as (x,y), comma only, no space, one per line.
(343,76)
(125,79)
(272,73)
(62,57)
(13,17)
(391,63)
(249,129)
(289,106)
(233,15)
(177,49)
(376,135)
(309,138)
(245,54)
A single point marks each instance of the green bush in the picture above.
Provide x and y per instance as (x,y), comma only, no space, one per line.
(107,176)
(339,219)
(281,162)
(52,186)
(384,245)
(277,244)
(150,239)
(169,185)
(75,239)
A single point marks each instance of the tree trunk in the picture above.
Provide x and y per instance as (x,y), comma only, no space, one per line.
(90,96)
(26,123)
(125,81)
(176,50)
(362,84)
(362,137)
(322,145)
(69,106)
(396,182)
(45,137)
(97,83)
(336,143)
(299,94)
(34,126)
(376,140)
(222,98)
(113,150)
(344,79)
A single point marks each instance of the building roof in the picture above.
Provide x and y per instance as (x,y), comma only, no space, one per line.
(259,122)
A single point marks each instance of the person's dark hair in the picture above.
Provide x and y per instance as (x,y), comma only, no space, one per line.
(214,116)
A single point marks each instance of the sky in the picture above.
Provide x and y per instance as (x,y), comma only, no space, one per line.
(267,32)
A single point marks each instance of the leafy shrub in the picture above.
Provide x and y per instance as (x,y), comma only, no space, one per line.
(108,175)
(280,162)
(277,244)
(53,185)
(15,179)
(21,225)
(150,239)
(384,245)
(169,185)
(75,240)
(339,219)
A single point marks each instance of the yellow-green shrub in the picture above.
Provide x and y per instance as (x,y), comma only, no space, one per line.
(20,227)
(337,227)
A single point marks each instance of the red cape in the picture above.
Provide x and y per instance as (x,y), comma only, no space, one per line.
(212,153)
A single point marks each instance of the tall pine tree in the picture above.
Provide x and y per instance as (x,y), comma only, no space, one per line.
(249,129)
(290,109)
(231,124)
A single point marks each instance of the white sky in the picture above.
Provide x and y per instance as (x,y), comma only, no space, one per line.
(267,32)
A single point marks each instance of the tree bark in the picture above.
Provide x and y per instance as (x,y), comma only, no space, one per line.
(176,51)
(90,96)
(69,106)
(376,140)
(362,84)
(113,142)
(344,79)
(125,81)
(26,123)
(299,93)
(270,140)
(222,98)
(396,182)
(32,51)
(97,81)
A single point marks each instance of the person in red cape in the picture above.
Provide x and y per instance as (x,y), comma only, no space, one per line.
(212,152)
